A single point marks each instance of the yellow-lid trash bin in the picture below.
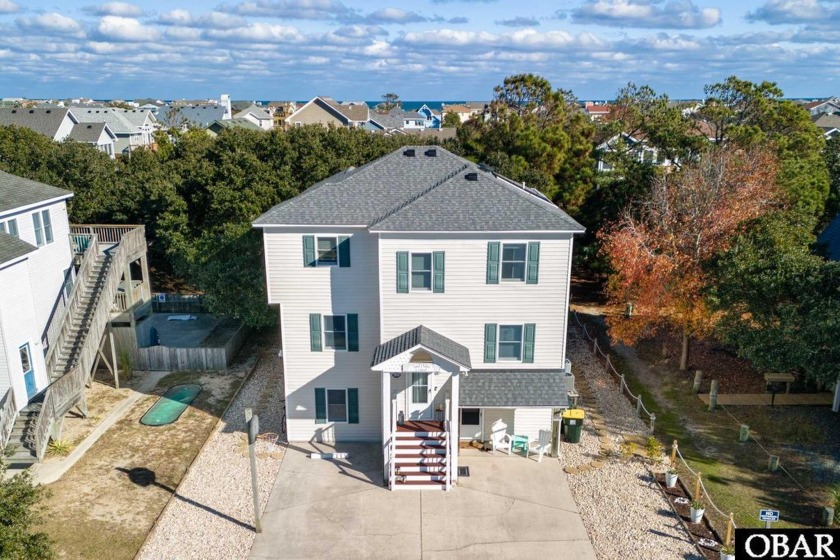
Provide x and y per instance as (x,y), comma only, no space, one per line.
(573,423)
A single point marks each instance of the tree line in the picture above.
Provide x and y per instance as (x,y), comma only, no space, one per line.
(719,243)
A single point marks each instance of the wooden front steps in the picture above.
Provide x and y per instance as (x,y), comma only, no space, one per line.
(420,459)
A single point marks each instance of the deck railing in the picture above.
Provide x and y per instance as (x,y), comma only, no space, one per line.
(7,418)
(121,298)
(57,314)
(106,234)
(67,390)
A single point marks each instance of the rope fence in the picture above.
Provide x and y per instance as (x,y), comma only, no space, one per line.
(610,368)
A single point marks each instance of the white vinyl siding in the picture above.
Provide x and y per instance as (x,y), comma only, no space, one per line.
(469,302)
(529,421)
(326,290)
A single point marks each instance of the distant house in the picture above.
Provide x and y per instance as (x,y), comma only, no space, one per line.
(596,111)
(97,134)
(828,123)
(405,121)
(133,128)
(185,115)
(54,123)
(464,111)
(216,127)
(327,111)
(640,150)
(823,106)
(279,110)
(256,115)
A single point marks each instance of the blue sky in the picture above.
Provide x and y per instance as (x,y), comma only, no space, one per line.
(425,49)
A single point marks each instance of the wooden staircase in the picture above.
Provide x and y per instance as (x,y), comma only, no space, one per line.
(74,343)
(420,456)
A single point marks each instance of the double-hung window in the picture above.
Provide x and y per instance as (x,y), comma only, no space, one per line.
(327,251)
(421,271)
(43,228)
(336,405)
(10,227)
(510,342)
(513,261)
(335,332)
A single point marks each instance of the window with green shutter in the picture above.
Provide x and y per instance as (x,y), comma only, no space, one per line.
(533,262)
(320,406)
(402,272)
(493,262)
(315,332)
(352,332)
(528,344)
(309,250)
(343,251)
(353,406)
(490,343)
(439,269)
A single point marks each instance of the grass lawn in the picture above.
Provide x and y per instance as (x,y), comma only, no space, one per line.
(736,474)
(95,511)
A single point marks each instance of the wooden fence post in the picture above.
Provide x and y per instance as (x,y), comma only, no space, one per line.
(698,379)
(713,395)
(639,405)
(773,463)
(674,454)
(729,529)
(827,516)
(652,422)
(697,494)
(744,434)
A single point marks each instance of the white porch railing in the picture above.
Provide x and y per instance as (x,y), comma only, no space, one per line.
(392,447)
(447,433)
(7,418)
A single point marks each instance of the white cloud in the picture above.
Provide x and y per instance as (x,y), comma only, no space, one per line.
(777,12)
(394,15)
(8,7)
(118,28)
(519,22)
(213,20)
(51,22)
(293,9)
(674,14)
(123,9)
(257,32)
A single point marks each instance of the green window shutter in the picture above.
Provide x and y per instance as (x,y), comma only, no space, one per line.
(490,343)
(533,262)
(343,251)
(528,346)
(320,406)
(439,258)
(308,250)
(402,272)
(352,406)
(493,262)
(352,332)
(315,332)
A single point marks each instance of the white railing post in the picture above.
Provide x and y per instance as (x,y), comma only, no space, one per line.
(639,405)
(448,435)
(392,447)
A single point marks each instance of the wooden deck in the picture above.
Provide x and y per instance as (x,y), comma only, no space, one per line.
(782,399)
(420,426)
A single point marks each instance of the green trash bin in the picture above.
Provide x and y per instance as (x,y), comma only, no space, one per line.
(572,424)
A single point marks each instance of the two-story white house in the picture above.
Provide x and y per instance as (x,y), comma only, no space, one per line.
(36,271)
(423,300)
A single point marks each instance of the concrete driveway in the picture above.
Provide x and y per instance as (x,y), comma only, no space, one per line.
(508,507)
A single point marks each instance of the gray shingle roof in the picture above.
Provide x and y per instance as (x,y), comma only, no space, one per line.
(426,337)
(518,387)
(16,192)
(11,247)
(235,122)
(87,132)
(258,112)
(421,193)
(44,121)
(831,237)
(120,121)
(200,116)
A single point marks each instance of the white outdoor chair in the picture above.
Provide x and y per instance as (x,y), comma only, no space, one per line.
(499,438)
(542,446)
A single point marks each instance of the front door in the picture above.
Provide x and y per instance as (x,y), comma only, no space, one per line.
(28,371)
(419,396)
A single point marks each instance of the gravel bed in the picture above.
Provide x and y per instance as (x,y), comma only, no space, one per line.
(623,510)
(212,513)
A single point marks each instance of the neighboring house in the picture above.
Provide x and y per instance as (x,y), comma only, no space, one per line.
(828,123)
(256,115)
(398,119)
(637,147)
(217,127)
(36,270)
(133,128)
(186,115)
(465,112)
(54,123)
(327,111)
(279,110)
(97,134)
(823,106)
(597,111)
(424,291)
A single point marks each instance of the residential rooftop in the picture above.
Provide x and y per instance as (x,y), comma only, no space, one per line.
(17,192)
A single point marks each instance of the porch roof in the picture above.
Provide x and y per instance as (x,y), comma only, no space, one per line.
(427,338)
(514,387)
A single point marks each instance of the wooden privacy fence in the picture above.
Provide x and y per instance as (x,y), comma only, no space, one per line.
(164,358)
(178,303)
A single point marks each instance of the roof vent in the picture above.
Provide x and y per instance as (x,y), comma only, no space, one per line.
(471,176)
(431,153)
(409,153)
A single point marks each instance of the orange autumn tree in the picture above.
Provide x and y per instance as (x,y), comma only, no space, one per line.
(661,245)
